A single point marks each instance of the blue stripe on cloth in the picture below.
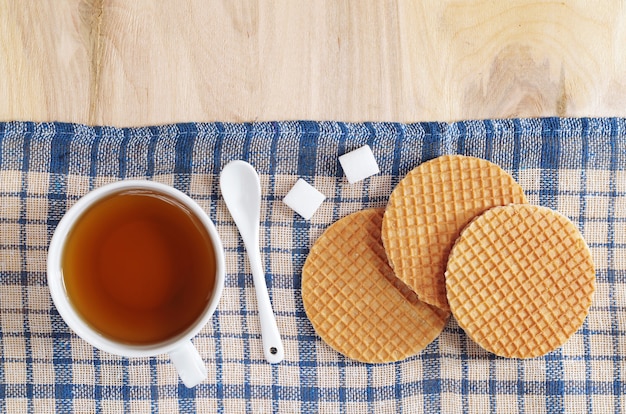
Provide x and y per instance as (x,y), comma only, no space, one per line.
(549,163)
(581,225)
(93,170)
(184,158)
(575,165)
(611,240)
(554,383)
(431,382)
(57,204)
(28,387)
(432,141)
(307,150)
(489,141)
(154,137)
(123,155)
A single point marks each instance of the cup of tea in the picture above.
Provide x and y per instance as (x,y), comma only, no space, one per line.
(136,268)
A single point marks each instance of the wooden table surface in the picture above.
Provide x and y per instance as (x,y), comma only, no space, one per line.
(129,63)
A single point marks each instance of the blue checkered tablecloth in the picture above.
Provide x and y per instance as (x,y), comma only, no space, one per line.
(576,166)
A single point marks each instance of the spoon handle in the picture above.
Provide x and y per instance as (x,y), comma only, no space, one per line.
(272,344)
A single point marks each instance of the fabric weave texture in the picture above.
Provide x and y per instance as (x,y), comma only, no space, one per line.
(574,165)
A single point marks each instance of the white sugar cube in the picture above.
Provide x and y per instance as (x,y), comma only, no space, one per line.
(359,164)
(304,199)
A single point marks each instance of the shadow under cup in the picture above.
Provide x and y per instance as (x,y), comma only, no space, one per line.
(136,268)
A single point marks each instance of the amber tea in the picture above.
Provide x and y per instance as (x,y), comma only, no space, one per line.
(139,267)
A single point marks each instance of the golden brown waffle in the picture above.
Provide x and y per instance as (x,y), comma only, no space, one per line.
(427,211)
(355,302)
(520,280)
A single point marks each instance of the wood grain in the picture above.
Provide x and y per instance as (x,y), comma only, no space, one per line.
(127,63)
(45,61)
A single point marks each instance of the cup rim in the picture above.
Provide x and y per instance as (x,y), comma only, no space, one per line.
(63,303)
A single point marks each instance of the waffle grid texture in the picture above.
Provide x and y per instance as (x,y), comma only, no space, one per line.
(520,280)
(427,211)
(355,302)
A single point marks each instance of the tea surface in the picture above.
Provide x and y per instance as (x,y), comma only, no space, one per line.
(139,267)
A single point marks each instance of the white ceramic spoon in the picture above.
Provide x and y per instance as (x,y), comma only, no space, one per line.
(241,189)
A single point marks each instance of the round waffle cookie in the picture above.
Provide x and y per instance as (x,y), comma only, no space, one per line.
(520,280)
(427,211)
(355,302)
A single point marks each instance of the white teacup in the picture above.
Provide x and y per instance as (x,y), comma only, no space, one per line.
(184,355)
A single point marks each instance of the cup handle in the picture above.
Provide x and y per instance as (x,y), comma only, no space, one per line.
(189,364)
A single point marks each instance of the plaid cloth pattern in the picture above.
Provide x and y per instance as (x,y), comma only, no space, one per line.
(577,166)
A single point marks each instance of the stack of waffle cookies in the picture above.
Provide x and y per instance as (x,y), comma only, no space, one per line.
(456,237)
